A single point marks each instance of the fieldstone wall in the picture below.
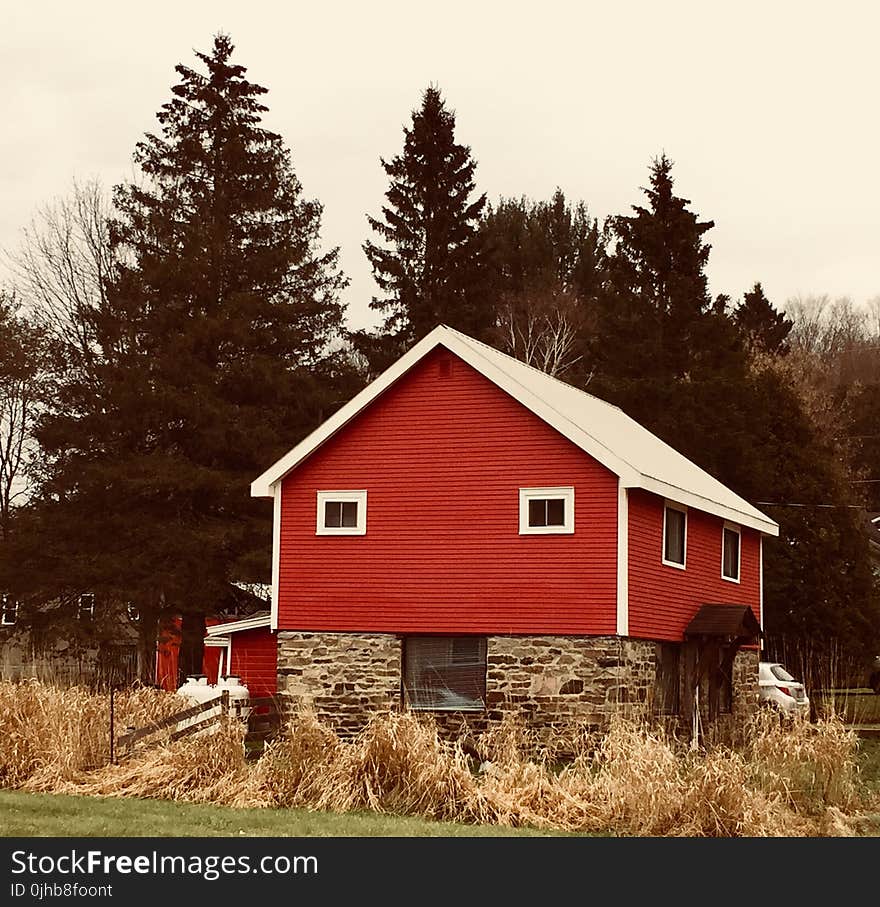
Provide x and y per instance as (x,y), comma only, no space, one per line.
(557,678)
(345,677)
(745,684)
(547,680)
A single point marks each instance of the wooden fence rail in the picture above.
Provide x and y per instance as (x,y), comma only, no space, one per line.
(265,717)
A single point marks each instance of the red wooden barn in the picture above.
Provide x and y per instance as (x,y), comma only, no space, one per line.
(470,534)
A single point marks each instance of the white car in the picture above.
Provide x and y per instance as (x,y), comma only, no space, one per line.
(778,688)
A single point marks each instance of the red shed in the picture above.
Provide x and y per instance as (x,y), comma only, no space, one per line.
(247,649)
(469,534)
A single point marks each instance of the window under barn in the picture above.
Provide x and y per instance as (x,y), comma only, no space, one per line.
(445,672)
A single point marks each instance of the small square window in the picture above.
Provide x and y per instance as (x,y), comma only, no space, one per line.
(342,513)
(730,552)
(445,673)
(674,535)
(545,511)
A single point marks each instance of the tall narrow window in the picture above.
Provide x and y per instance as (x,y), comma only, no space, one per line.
(342,513)
(674,535)
(546,511)
(730,552)
(86,606)
(445,672)
(8,610)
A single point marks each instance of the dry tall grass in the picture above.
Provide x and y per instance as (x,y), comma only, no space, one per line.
(51,734)
(799,779)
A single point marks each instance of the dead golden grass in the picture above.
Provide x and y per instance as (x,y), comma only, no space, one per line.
(52,734)
(786,779)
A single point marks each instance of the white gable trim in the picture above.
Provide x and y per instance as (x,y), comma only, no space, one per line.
(441,335)
(485,360)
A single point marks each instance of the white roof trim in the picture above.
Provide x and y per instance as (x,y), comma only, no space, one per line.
(236,626)
(580,417)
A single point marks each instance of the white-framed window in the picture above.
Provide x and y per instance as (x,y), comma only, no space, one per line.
(342,513)
(8,610)
(86,606)
(546,511)
(731,544)
(445,673)
(674,535)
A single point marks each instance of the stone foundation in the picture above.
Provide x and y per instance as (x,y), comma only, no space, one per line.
(548,680)
(345,677)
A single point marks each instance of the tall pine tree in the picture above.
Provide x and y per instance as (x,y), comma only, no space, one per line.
(659,320)
(216,340)
(428,261)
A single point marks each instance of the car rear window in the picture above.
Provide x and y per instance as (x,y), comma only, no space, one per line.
(780,673)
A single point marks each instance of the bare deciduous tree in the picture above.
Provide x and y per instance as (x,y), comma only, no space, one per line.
(21,386)
(62,268)
(541,329)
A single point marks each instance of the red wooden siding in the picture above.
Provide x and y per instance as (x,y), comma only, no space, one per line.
(442,460)
(663,599)
(254,659)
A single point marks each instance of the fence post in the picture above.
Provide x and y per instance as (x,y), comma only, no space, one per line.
(112,728)
(224,703)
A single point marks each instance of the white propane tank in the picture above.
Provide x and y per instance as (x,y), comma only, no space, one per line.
(239,694)
(198,689)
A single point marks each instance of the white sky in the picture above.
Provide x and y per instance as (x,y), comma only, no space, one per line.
(769,110)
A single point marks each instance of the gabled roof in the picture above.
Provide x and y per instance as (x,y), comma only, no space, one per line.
(603,431)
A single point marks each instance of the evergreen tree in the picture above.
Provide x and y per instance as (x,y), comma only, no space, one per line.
(657,317)
(428,262)
(545,268)
(763,328)
(537,247)
(215,341)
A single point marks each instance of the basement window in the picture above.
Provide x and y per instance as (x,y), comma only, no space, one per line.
(445,673)
(674,535)
(8,610)
(730,552)
(342,513)
(546,511)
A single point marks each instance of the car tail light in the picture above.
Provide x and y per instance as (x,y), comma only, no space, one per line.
(786,690)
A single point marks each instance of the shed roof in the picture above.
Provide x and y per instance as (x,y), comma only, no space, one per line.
(605,432)
(724,620)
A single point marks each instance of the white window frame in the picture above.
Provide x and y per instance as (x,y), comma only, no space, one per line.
(359,497)
(733,527)
(564,492)
(8,604)
(82,610)
(672,505)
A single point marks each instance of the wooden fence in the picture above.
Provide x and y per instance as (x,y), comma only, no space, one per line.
(264,716)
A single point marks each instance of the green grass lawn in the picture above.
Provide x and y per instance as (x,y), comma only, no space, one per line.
(56,815)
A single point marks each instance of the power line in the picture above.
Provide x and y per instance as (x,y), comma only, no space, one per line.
(789,504)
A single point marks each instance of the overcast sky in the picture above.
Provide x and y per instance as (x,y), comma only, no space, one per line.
(768,109)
